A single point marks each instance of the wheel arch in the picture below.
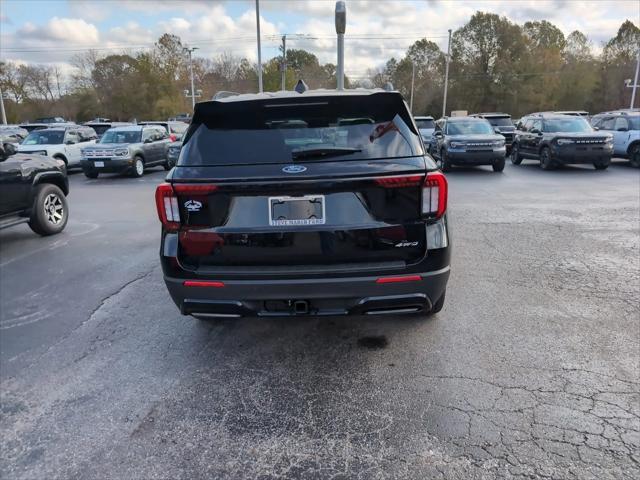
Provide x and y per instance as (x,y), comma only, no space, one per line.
(62,157)
(633,144)
(54,178)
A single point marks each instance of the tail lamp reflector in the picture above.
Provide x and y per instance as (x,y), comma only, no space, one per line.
(405,278)
(203,283)
(434,195)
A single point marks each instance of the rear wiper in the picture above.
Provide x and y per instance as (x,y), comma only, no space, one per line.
(323,152)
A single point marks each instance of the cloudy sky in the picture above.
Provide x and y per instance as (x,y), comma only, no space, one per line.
(51,31)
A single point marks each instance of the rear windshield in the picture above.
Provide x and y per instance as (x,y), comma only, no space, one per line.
(424,124)
(44,137)
(469,127)
(178,127)
(368,127)
(569,124)
(500,121)
(121,136)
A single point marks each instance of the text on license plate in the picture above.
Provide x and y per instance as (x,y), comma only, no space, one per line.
(98,164)
(289,211)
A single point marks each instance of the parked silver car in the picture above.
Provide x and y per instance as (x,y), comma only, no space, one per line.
(129,149)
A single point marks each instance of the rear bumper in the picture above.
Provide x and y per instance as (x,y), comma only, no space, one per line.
(316,296)
(476,158)
(110,166)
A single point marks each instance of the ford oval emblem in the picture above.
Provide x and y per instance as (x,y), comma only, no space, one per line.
(294,169)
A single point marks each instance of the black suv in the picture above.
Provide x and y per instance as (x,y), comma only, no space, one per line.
(321,203)
(502,124)
(560,140)
(467,141)
(33,189)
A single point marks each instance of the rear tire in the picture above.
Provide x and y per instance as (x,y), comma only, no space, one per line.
(50,211)
(516,158)
(602,165)
(546,163)
(498,166)
(634,155)
(91,173)
(444,163)
(436,307)
(167,165)
(138,167)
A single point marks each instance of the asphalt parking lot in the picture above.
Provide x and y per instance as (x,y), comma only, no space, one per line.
(530,371)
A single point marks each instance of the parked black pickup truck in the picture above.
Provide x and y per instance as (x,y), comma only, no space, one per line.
(33,189)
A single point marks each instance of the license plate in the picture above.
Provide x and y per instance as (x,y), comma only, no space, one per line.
(290,211)
(98,164)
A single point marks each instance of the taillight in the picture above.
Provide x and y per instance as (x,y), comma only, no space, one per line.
(194,188)
(399,181)
(434,195)
(172,137)
(167,205)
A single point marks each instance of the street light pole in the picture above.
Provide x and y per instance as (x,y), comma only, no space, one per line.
(446,76)
(2,112)
(341,26)
(193,90)
(284,62)
(635,81)
(413,79)
(259,48)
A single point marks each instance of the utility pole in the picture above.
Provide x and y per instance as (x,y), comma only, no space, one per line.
(283,66)
(259,49)
(190,50)
(341,26)
(635,81)
(446,76)
(413,80)
(2,112)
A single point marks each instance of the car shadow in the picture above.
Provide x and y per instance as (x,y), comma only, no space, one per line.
(560,170)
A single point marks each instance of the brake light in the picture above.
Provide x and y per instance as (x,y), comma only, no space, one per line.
(399,182)
(172,137)
(434,195)
(167,205)
(202,283)
(406,278)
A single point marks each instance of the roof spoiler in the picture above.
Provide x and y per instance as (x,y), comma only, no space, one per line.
(224,94)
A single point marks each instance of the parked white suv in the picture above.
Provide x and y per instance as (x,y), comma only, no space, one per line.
(624,125)
(61,143)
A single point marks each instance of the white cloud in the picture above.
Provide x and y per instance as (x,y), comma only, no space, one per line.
(67,30)
(390,27)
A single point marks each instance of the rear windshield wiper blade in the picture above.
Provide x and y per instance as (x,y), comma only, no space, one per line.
(323,152)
